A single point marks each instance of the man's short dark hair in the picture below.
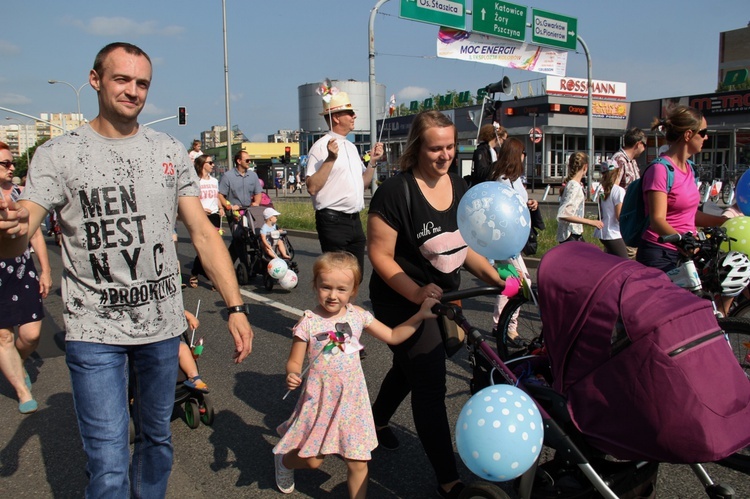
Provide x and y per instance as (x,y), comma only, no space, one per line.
(237,156)
(632,137)
(127,47)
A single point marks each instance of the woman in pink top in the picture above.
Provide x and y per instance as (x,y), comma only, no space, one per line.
(676,211)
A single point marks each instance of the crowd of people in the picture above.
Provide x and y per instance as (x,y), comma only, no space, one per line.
(412,269)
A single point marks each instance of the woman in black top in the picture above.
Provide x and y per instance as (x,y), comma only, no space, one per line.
(417,252)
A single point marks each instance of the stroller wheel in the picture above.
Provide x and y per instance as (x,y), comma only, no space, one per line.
(242,274)
(268,282)
(484,490)
(207,411)
(192,413)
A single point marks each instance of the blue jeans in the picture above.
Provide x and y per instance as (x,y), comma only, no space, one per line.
(99,376)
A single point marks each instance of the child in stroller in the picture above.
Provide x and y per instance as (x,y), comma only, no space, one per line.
(273,245)
(250,249)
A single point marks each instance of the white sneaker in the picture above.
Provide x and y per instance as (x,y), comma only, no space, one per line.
(284,476)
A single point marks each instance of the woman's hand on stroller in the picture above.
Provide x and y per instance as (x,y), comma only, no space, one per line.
(428,291)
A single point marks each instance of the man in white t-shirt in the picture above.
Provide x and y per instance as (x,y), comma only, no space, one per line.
(336,179)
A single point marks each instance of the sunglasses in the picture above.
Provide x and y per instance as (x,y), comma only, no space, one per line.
(209,162)
(248,161)
(8,164)
(702,132)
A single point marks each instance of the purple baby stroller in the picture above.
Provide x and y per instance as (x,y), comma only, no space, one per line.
(645,367)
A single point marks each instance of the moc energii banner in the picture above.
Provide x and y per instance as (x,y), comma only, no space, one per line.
(456,44)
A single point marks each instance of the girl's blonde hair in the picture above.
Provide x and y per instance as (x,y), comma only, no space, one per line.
(576,163)
(342,260)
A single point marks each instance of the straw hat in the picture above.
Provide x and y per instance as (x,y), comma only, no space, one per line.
(339,102)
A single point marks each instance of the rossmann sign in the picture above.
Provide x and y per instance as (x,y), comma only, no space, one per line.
(579,87)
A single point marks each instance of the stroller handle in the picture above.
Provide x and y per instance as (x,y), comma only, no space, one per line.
(471,293)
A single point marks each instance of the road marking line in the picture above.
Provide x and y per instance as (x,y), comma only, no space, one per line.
(273,303)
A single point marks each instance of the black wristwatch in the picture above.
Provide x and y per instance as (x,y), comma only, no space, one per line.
(239,309)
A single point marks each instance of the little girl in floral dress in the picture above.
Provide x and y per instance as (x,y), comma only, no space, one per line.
(333,414)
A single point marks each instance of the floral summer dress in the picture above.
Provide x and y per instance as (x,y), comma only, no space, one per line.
(333,414)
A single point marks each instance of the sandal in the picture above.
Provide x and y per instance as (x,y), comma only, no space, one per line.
(196,383)
(193,281)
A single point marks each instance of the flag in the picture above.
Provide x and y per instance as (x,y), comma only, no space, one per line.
(392,105)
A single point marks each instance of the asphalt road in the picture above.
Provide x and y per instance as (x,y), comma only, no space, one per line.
(41,454)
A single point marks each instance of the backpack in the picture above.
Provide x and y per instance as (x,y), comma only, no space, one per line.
(644,379)
(633,218)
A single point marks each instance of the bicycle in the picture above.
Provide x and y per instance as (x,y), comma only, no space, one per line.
(703,271)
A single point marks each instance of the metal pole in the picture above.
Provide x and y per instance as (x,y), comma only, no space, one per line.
(226,86)
(29,116)
(76,90)
(590,118)
(373,115)
(533,153)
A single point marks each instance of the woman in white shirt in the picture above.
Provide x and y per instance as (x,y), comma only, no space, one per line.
(204,166)
(610,204)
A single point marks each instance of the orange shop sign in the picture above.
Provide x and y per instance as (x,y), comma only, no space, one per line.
(606,109)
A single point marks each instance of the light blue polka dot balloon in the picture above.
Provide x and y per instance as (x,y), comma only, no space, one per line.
(493,220)
(499,433)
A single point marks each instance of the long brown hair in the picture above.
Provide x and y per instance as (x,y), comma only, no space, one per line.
(422,122)
(576,162)
(609,178)
(509,162)
(199,162)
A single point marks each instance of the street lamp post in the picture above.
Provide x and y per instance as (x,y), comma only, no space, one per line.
(76,90)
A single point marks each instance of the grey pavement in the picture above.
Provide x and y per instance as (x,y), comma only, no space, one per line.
(41,454)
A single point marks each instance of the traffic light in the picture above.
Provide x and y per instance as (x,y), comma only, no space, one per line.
(287,155)
(182,115)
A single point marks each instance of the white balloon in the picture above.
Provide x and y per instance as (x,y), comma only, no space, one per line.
(277,268)
(289,281)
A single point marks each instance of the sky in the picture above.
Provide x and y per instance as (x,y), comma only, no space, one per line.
(659,48)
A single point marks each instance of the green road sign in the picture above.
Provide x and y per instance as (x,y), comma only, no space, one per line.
(735,77)
(450,13)
(503,19)
(548,28)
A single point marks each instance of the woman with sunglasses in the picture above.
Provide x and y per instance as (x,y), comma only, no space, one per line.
(22,289)
(204,166)
(674,210)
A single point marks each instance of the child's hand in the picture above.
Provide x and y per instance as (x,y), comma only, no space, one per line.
(293,380)
(426,308)
(193,322)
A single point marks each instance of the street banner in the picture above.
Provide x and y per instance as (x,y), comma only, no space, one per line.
(456,44)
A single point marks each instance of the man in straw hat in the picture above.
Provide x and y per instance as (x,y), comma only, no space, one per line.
(336,178)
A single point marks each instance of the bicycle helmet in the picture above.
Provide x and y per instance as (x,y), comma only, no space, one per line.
(734,273)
